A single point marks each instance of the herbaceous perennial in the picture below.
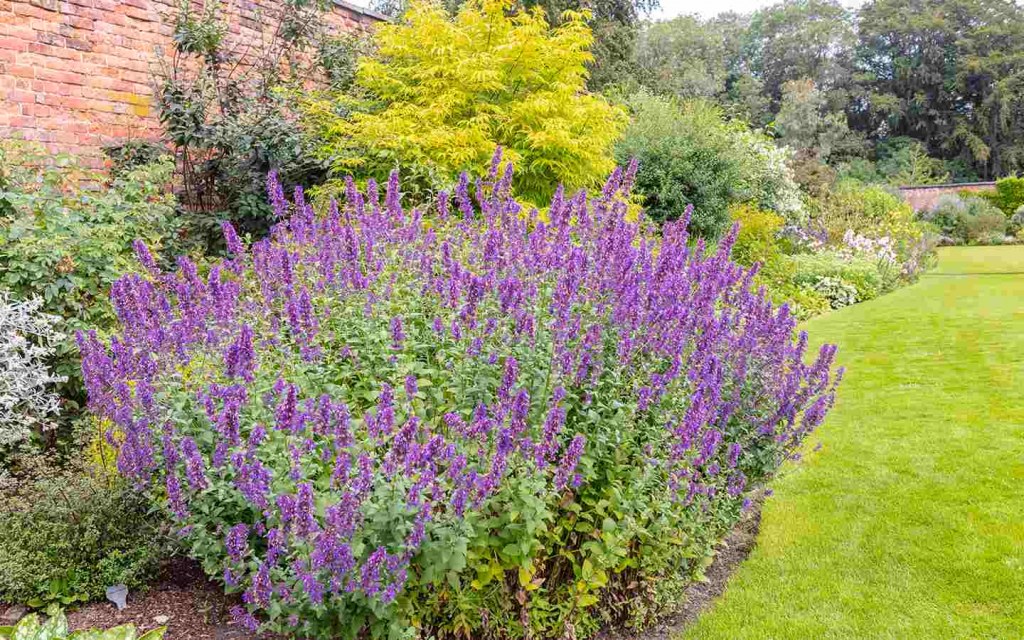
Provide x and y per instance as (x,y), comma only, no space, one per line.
(328,407)
(27,400)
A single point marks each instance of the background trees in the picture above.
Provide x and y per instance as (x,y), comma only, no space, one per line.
(923,81)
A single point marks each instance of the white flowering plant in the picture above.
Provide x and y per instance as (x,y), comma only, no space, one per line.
(27,398)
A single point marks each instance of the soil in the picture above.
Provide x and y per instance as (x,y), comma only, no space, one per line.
(197,609)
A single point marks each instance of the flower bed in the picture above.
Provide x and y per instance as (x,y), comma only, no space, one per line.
(473,421)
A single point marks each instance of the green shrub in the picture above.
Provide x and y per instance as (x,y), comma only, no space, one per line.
(690,155)
(683,152)
(967,219)
(805,302)
(227,110)
(809,269)
(777,277)
(56,628)
(443,92)
(873,222)
(837,291)
(1008,195)
(68,534)
(986,226)
(757,240)
(65,237)
(1016,222)
(853,205)
(949,218)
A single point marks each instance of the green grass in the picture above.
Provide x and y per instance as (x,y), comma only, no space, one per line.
(909,522)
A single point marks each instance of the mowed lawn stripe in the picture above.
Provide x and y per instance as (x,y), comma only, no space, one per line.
(909,522)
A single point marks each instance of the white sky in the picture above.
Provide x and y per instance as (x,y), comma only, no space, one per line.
(708,8)
(704,8)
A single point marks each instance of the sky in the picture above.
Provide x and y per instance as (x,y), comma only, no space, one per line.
(708,8)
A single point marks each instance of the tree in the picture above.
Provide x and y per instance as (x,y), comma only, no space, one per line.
(615,24)
(443,92)
(905,161)
(224,108)
(688,57)
(805,124)
(685,57)
(796,39)
(947,73)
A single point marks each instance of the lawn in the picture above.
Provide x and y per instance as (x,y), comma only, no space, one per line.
(909,521)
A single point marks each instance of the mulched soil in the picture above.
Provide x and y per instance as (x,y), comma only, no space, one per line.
(197,609)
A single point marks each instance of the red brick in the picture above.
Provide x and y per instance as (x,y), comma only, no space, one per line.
(21,71)
(77,74)
(65,77)
(13,44)
(81,23)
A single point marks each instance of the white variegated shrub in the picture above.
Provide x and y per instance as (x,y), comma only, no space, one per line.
(27,399)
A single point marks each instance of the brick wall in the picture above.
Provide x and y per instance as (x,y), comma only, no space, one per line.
(924,197)
(77,75)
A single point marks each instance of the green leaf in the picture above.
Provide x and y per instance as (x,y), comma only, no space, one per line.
(154,634)
(27,628)
(586,600)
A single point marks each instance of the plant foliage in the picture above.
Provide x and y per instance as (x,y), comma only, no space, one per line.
(225,108)
(71,531)
(690,155)
(442,92)
(490,424)
(56,628)
(28,403)
(65,237)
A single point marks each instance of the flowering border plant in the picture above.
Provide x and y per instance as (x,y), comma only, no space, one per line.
(485,421)
(27,399)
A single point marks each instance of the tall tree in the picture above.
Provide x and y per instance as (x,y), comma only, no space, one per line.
(948,73)
(813,39)
(690,57)
(615,24)
(805,124)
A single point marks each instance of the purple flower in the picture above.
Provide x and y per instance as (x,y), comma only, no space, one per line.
(231,239)
(244,619)
(397,334)
(144,256)
(195,467)
(240,357)
(567,465)
(237,542)
(262,399)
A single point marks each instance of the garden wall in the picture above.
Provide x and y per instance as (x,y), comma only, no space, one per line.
(77,75)
(924,197)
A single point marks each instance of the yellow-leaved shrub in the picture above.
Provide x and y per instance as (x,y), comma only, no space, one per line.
(441,93)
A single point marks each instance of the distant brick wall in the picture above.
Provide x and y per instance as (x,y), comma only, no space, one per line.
(924,197)
(77,75)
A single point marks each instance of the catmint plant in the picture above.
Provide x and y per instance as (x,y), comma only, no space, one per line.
(361,420)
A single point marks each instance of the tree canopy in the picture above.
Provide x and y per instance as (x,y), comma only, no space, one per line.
(945,74)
